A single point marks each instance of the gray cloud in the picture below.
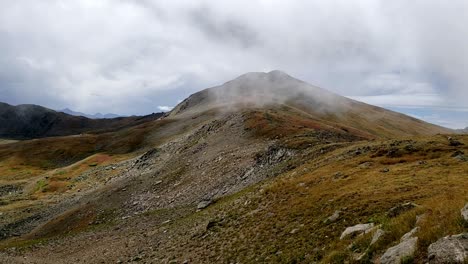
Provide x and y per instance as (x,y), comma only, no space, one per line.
(138,55)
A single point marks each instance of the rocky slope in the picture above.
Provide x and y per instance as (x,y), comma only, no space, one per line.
(263,169)
(33,121)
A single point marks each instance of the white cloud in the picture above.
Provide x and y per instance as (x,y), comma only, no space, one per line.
(135,54)
(165,108)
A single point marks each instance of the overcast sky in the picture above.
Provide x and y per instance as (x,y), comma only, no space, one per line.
(141,56)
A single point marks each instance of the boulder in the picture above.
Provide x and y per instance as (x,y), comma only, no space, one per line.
(449,249)
(464,212)
(396,254)
(356,230)
(399,209)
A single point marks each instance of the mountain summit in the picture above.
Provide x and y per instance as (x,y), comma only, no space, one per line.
(279,90)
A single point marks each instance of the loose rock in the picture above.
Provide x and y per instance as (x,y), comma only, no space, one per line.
(356,230)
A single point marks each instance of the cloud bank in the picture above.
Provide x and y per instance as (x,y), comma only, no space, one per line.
(129,56)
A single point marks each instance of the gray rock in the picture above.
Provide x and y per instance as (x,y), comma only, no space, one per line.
(356,230)
(396,254)
(464,212)
(399,209)
(376,236)
(333,217)
(450,249)
(203,204)
(410,234)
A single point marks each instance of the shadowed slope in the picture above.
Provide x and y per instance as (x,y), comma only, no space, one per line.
(33,121)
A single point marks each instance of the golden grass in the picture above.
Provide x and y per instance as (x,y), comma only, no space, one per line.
(302,199)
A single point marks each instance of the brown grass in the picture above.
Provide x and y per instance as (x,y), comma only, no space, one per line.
(301,200)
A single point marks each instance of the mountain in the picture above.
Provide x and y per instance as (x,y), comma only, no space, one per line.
(262,169)
(95,116)
(263,90)
(33,121)
(463,131)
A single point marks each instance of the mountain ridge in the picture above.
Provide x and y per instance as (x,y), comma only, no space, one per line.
(90,116)
(34,121)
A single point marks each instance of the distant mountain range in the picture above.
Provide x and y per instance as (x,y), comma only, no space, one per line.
(95,116)
(33,121)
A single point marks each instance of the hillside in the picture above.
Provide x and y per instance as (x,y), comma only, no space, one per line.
(33,121)
(251,171)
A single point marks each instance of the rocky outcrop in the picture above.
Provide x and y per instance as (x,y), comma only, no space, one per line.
(399,209)
(450,249)
(404,250)
(356,230)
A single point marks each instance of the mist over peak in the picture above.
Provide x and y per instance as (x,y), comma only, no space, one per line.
(258,89)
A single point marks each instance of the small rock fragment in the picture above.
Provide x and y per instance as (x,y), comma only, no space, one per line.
(294,231)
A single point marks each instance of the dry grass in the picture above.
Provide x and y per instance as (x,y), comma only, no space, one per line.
(261,230)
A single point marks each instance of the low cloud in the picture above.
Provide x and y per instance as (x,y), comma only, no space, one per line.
(165,108)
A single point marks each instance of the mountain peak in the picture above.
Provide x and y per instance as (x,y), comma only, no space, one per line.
(258,89)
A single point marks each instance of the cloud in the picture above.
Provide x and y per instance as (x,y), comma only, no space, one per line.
(138,54)
(165,108)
